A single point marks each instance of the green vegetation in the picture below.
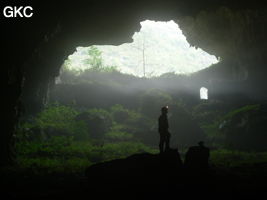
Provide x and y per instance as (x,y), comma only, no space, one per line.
(224,158)
(63,139)
(159,47)
(99,114)
(244,109)
(66,156)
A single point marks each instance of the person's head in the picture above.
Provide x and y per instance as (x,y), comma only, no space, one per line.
(164,110)
(201,143)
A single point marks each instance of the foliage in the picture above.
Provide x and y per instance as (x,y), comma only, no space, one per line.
(123,115)
(245,128)
(57,116)
(95,58)
(124,149)
(118,136)
(99,122)
(110,69)
(119,113)
(231,158)
(111,122)
(91,67)
(128,121)
(241,110)
(209,116)
(169,75)
(242,128)
(54,120)
(68,74)
(207,112)
(215,137)
(63,154)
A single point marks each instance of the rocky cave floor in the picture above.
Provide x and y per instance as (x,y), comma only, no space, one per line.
(141,175)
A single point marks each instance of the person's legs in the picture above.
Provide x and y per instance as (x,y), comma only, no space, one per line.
(167,143)
(161,143)
(164,141)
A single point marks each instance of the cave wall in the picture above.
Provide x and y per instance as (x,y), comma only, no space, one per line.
(34,48)
(237,37)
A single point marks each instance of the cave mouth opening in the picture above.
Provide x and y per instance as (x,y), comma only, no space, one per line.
(204,93)
(158,48)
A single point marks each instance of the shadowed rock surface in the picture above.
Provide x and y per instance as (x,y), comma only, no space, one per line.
(164,175)
(147,167)
(140,175)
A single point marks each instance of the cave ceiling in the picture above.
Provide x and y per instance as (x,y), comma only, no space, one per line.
(232,30)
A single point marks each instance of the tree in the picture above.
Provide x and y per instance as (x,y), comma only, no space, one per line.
(68,74)
(95,60)
(142,49)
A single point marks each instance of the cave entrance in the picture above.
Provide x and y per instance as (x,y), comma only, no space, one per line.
(203,93)
(158,48)
(108,97)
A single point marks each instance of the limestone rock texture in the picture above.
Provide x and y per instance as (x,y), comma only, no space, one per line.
(35,48)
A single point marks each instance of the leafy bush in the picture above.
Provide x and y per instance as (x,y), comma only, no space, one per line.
(60,120)
(245,128)
(232,158)
(95,61)
(124,149)
(141,127)
(99,122)
(119,113)
(56,116)
(207,112)
(61,154)
(44,166)
(115,136)
(239,111)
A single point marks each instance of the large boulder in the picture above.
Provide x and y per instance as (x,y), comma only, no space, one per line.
(197,158)
(137,169)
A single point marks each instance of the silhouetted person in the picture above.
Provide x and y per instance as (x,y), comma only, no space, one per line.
(163,130)
(197,157)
